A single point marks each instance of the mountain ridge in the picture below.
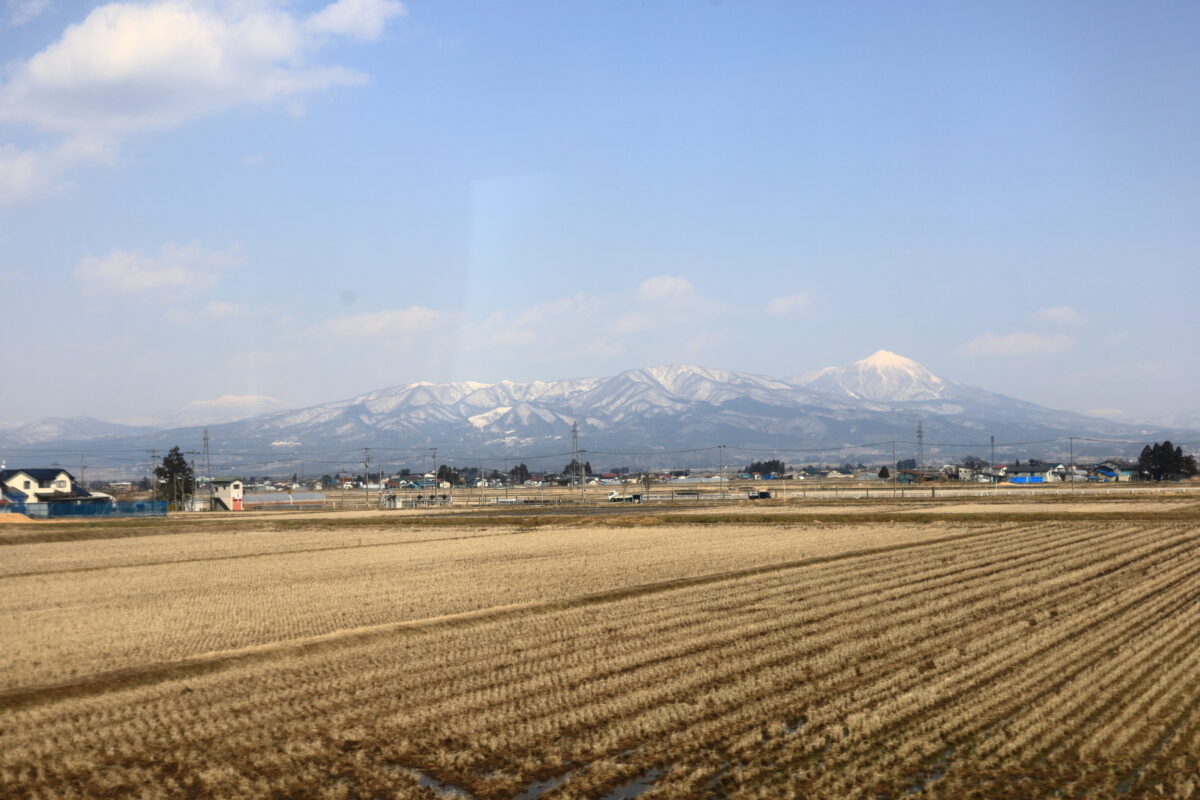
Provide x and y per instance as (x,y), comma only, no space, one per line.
(645,410)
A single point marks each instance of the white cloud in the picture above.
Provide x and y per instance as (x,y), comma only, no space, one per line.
(790,305)
(391,323)
(665,300)
(1017,344)
(130,67)
(23,11)
(535,323)
(1060,315)
(176,270)
(236,401)
(665,288)
(1124,372)
(361,19)
(25,174)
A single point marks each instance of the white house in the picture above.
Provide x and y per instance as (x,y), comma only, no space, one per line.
(42,485)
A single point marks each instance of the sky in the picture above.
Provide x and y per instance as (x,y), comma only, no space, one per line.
(258,204)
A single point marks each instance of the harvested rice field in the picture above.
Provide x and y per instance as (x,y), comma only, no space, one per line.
(907,652)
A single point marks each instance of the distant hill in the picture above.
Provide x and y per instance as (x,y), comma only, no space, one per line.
(649,416)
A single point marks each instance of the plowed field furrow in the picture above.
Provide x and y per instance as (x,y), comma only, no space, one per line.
(964,681)
(1049,659)
(1119,686)
(741,637)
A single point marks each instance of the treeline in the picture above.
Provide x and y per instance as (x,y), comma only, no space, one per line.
(1165,461)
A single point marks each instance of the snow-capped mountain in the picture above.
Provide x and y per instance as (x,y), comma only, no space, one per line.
(55,429)
(884,376)
(665,409)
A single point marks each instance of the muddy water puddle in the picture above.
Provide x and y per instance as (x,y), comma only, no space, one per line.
(642,783)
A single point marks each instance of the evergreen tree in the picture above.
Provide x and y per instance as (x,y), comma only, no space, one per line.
(1165,461)
(772,467)
(175,478)
(449,474)
(572,470)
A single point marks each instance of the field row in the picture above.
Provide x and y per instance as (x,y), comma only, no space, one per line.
(1050,660)
(96,606)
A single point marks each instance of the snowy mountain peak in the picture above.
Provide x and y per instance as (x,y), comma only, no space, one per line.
(884,359)
(883,376)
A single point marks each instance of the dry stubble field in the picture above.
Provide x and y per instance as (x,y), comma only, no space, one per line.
(919,651)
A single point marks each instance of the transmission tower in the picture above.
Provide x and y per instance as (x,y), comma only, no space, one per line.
(920,446)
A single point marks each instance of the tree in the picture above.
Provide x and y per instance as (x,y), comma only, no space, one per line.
(448,474)
(519,473)
(572,470)
(175,476)
(884,473)
(974,462)
(772,467)
(906,463)
(1165,462)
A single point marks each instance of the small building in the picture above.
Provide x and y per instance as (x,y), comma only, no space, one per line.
(228,494)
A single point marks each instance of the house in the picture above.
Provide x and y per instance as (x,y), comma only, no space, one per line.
(228,494)
(1113,471)
(44,485)
(1035,473)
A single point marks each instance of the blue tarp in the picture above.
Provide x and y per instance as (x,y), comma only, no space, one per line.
(117,508)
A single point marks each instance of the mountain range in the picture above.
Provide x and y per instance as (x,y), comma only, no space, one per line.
(646,416)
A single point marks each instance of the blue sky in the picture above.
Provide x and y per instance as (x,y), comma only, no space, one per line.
(269,203)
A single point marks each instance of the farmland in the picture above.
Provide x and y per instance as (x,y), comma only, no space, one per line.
(910,651)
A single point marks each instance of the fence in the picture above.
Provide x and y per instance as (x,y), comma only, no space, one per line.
(115,508)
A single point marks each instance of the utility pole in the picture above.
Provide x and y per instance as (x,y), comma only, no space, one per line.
(153,474)
(435,474)
(192,493)
(721,448)
(578,460)
(82,467)
(366,476)
(992,470)
(382,482)
(1071,439)
(894,476)
(208,469)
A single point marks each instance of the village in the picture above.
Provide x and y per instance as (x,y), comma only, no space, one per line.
(42,492)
